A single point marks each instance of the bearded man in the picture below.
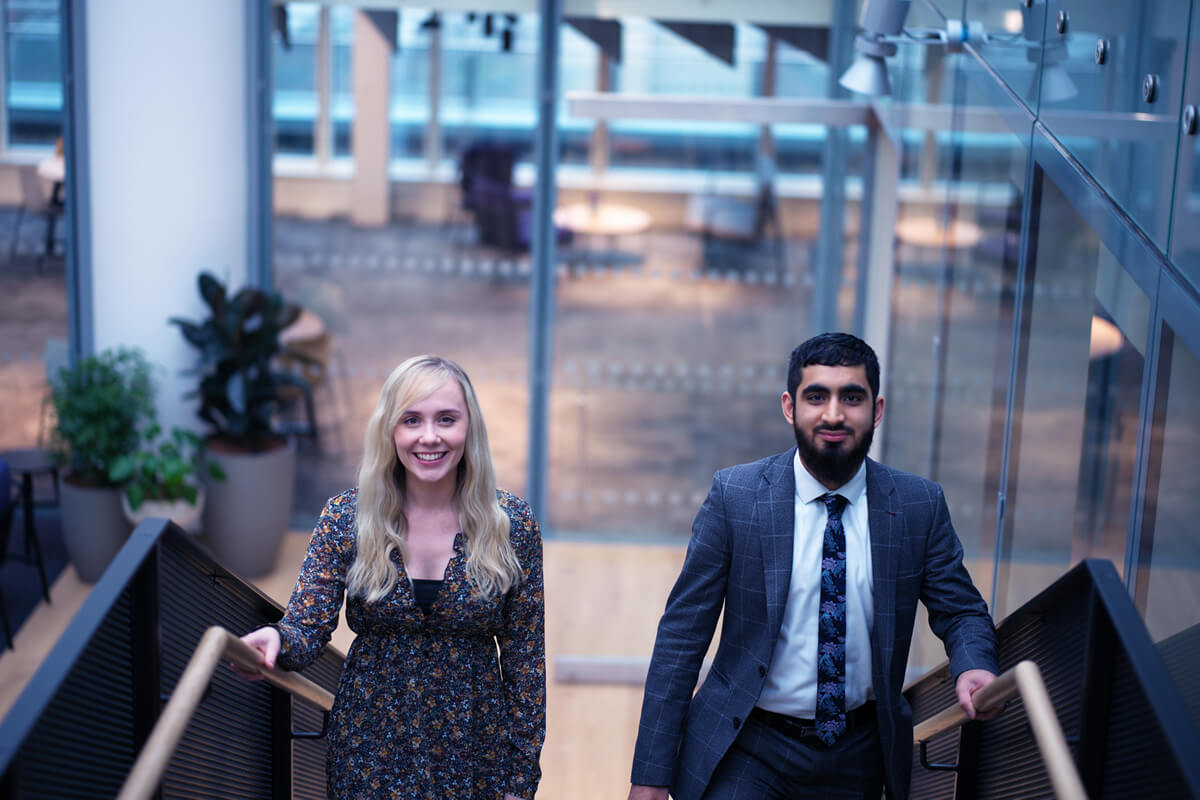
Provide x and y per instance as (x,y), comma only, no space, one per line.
(818,557)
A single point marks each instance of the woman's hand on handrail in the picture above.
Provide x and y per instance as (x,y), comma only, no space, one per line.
(968,684)
(265,642)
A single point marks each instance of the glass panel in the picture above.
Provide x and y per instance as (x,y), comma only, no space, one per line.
(341,25)
(1100,112)
(1185,228)
(686,282)
(33,72)
(435,275)
(410,81)
(1014,49)
(487,91)
(1168,580)
(295,80)
(958,249)
(1076,418)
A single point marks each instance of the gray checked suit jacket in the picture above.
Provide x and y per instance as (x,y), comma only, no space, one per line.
(740,558)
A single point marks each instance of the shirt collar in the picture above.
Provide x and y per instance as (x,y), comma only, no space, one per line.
(809,489)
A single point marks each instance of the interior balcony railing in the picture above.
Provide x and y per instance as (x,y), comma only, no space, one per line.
(1129,731)
(77,728)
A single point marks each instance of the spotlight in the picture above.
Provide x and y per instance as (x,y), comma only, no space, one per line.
(882,24)
(868,74)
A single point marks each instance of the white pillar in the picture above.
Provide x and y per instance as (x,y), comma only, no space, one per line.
(371,137)
(168,172)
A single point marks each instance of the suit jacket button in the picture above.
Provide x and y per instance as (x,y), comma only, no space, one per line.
(762,671)
(737,722)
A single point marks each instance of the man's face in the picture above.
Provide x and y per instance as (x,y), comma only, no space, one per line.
(834,418)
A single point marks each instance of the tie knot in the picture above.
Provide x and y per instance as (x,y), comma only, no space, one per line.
(834,504)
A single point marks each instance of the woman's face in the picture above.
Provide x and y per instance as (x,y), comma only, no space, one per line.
(431,435)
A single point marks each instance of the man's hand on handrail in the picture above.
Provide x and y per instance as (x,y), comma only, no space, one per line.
(265,642)
(969,683)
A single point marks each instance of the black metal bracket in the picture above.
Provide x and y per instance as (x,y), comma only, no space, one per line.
(935,767)
(217,577)
(315,734)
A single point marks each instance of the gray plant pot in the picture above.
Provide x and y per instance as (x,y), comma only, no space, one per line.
(94,527)
(246,515)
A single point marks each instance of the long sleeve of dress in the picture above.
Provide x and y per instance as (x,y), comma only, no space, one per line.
(312,612)
(522,643)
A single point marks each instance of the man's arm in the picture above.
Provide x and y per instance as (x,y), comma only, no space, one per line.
(957,613)
(684,634)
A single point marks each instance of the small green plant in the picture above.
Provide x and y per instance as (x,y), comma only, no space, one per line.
(239,388)
(100,403)
(164,470)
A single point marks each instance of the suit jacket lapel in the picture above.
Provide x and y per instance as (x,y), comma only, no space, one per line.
(775,513)
(886,529)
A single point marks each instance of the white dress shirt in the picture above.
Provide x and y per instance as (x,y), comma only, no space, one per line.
(791,684)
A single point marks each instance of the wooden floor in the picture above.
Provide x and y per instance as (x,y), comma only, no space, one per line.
(601,600)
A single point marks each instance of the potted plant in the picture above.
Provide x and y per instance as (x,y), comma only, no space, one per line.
(246,516)
(99,405)
(161,478)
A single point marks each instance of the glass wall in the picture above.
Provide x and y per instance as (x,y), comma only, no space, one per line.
(687,278)
(958,233)
(1168,562)
(1075,425)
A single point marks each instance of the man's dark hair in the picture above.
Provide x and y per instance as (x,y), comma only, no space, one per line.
(833,350)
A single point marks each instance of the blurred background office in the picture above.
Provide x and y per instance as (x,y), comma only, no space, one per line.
(620,222)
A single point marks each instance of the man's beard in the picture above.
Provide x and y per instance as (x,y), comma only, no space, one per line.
(832,465)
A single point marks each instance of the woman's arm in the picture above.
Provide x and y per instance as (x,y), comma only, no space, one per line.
(312,613)
(523,658)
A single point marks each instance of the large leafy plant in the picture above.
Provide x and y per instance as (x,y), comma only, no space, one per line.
(99,404)
(166,469)
(239,387)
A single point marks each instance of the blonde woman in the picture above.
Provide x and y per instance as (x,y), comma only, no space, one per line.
(440,571)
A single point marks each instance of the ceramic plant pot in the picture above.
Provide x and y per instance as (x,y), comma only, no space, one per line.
(247,514)
(93,526)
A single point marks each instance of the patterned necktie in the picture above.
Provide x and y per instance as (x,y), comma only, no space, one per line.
(831,637)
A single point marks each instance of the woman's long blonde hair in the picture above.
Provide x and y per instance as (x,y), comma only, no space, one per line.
(381,526)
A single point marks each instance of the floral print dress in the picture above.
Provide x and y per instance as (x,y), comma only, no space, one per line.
(437,704)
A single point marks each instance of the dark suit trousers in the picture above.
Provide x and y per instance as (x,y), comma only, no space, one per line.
(764,763)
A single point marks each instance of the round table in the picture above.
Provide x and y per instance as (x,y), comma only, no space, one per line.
(52,169)
(602,219)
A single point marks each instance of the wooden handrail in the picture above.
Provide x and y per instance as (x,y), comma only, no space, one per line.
(1024,680)
(216,644)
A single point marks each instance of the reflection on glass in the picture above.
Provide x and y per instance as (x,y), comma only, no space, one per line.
(1075,423)
(1168,566)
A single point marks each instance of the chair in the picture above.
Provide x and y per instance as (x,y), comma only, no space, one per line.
(485,176)
(36,199)
(740,221)
(307,359)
